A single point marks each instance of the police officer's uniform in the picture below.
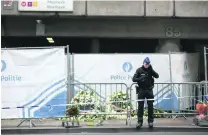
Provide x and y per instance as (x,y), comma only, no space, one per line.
(144,78)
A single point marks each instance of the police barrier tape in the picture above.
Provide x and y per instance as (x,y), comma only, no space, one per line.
(123,101)
(184,94)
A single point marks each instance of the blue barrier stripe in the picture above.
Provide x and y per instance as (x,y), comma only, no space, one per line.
(42,93)
(47,96)
(56,83)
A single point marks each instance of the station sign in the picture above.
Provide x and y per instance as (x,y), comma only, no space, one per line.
(45,5)
(8,4)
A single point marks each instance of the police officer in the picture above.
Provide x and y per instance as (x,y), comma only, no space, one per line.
(144,78)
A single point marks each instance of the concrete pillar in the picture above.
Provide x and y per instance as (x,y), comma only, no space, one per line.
(40,29)
(166,45)
(200,49)
(95,46)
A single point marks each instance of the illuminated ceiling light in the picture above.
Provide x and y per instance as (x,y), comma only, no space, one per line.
(39,21)
(50,40)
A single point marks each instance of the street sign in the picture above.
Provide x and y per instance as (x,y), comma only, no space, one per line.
(45,5)
(8,4)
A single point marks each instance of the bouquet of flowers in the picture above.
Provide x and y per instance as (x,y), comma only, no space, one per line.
(72,111)
(202,117)
(202,108)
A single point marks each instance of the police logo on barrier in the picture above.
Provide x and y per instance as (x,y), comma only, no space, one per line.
(8,77)
(127,67)
(3,65)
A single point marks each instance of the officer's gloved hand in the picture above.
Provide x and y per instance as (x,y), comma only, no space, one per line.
(150,67)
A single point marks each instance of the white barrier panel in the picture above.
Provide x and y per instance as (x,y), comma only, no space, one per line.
(31,78)
(37,78)
(185,69)
(119,68)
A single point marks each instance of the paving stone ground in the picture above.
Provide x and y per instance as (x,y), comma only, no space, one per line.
(111,123)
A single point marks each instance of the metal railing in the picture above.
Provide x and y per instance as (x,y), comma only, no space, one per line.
(175,98)
(106,101)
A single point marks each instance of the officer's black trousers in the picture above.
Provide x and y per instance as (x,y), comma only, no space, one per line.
(148,94)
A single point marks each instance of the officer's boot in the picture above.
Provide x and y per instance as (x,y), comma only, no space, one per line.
(139,125)
(140,114)
(150,124)
(150,114)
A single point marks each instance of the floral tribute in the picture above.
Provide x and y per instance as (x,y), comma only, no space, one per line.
(72,111)
(202,110)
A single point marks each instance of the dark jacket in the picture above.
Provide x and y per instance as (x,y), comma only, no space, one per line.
(144,77)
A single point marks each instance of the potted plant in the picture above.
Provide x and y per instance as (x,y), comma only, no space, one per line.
(72,113)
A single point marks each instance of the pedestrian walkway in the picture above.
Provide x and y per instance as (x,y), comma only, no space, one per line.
(115,123)
(110,126)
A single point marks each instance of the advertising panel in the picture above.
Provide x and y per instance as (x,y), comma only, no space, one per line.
(45,5)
